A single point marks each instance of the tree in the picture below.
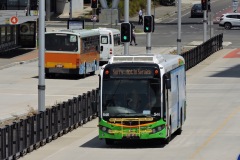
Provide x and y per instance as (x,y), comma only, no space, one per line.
(167,2)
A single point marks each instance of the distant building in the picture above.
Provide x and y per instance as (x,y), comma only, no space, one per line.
(53,7)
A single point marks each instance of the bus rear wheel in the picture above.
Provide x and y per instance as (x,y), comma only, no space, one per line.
(109,141)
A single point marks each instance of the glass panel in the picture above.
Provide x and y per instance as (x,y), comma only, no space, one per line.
(3,35)
(61,42)
(104,39)
(123,98)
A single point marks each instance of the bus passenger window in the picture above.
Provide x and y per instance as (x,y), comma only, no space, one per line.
(104,40)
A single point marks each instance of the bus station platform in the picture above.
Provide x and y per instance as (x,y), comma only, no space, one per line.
(23,69)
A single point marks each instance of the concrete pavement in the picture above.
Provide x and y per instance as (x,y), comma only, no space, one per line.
(211,130)
(33,55)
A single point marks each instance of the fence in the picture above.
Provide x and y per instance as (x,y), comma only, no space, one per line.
(28,134)
(201,52)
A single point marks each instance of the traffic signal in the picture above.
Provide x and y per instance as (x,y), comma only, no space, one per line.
(94,3)
(204,4)
(148,24)
(209,6)
(126,31)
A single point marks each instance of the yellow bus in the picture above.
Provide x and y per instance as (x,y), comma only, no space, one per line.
(73,52)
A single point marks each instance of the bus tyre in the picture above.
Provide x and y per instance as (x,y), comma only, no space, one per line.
(109,141)
(92,73)
(84,74)
(49,75)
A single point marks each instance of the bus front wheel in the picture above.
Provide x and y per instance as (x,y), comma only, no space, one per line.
(168,139)
(109,141)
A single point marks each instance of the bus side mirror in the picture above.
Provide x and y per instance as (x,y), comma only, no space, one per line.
(168,83)
(101,48)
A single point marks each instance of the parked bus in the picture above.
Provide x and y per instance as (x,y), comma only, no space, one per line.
(142,97)
(109,43)
(72,52)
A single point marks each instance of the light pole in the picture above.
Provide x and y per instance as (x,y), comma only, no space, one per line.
(126,19)
(41,55)
(179,27)
(148,36)
(70,10)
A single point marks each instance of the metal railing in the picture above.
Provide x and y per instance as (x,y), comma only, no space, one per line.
(28,134)
(201,52)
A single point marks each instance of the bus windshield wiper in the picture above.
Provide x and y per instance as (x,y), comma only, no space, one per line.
(132,114)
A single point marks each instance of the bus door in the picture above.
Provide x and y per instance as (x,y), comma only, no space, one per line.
(167,100)
(105,47)
(178,108)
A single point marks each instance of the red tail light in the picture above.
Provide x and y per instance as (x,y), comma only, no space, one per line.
(110,50)
(77,62)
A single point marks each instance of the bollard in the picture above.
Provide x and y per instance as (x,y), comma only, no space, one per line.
(84,106)
(3,147)
(9,143)
(60,119)
(75,112)
(89,108)
(15,140)
(36,143)
(70,115)
(80,110)
(54,122)
(47,118)
(65,117)
(23,137)
(30,134)
(42,128)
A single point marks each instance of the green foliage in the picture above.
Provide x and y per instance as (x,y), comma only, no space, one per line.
(167,2)
(134,6)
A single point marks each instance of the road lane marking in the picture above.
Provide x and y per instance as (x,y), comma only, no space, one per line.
(213,135)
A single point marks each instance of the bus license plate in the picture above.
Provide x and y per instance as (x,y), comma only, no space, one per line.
(59,66)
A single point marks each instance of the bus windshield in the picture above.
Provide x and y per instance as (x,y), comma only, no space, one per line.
(131,98)
(61,42)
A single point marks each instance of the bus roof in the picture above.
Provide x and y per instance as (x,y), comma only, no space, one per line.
(107,30)
(81,33)
(166,61)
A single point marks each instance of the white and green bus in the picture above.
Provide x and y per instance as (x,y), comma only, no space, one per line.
(142,97)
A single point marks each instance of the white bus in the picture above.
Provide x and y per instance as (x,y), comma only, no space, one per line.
(142,97)
(109,43)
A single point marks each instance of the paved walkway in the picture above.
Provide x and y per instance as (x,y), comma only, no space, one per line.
(163,12)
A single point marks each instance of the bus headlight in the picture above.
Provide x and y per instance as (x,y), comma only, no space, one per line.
(105,129)
(158,129)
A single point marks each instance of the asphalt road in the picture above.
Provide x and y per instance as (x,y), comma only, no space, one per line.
(211,131)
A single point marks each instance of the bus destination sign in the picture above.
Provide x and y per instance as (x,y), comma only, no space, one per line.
(131,72)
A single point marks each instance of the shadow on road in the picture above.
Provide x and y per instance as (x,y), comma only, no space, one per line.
(131,144)
(233,72)
(14,53)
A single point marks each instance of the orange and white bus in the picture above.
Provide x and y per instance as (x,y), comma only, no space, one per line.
(71,52)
